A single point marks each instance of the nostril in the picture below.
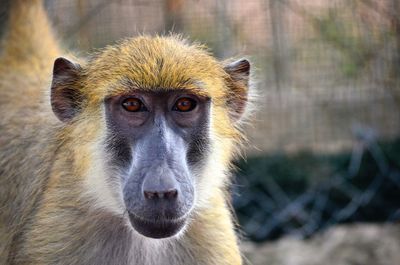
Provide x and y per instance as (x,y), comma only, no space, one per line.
(170,194)
(150,195)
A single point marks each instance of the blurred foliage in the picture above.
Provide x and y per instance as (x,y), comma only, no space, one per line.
(354,51)
(280,194)
(352,30)
(297,172)
(293,172)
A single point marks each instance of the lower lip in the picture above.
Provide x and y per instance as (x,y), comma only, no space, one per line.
(157,229)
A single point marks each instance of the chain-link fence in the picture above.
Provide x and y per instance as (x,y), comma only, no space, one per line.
(364,188)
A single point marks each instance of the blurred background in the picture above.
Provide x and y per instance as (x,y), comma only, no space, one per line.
(320,183)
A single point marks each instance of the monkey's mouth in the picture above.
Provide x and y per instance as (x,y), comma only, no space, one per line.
(157,228)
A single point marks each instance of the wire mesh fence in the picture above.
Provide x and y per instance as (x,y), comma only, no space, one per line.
(367,190)
(322,66)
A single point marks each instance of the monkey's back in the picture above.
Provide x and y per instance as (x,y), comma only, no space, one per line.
(26,58)
(25,138)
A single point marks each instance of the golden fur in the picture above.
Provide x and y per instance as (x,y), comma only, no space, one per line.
(56,207)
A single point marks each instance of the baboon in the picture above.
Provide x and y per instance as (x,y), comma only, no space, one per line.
(121,158)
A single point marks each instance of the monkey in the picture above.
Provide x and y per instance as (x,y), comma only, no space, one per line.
(119,158)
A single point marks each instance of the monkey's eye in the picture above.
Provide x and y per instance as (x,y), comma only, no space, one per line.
(184,104)
(133,105)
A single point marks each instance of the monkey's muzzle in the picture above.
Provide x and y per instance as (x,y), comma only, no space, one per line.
(161,207)
(159,190)
(160,214)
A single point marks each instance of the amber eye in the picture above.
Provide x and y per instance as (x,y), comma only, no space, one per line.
(184,104)
(133,105)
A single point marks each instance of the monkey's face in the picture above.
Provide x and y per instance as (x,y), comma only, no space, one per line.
(156,122)
(158,139)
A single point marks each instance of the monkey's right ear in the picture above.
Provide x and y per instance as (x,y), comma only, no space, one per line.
(238,82)
(65,96)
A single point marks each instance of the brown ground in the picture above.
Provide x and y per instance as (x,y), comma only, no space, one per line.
(361,244)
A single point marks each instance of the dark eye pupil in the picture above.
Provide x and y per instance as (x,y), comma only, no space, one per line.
(185,103)
(131,104)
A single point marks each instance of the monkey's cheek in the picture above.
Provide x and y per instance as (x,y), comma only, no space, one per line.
(157,229)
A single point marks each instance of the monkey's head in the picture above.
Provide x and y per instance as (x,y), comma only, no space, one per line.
(154,123)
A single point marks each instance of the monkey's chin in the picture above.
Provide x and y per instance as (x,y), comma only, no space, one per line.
(157,229)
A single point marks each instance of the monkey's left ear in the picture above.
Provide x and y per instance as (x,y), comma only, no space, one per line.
(238,83)
(65,96)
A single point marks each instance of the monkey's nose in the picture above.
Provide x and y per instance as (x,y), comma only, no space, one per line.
(168,194)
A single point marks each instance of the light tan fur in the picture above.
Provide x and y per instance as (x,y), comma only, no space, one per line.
(56,204)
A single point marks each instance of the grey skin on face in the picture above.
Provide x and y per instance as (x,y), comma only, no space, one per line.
(157,137)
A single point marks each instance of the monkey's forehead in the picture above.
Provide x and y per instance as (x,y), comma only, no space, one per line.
(154,63)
